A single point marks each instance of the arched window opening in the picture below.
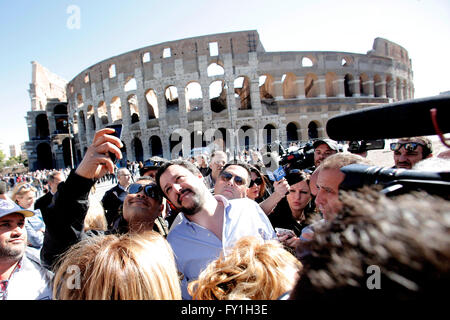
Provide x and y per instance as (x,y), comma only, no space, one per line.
(348,91)
(218,96)
(330,84)
(266,89)
(171,95)
(194,96)
(313,133)
(130,85)
(138,151)
(307,62)
(215,69)
(156,146)
(134,109)
(42,129)
(242,93)
(311,86)
(152,104)
(289,81)
(116,109)
(102,113)
(291,132)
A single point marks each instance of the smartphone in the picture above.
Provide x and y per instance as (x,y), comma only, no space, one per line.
(282,231)
(117,133)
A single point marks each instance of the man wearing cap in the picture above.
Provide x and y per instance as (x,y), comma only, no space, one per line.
(114,197)
(409,151)
(22,276)
(151,166)
(323,148)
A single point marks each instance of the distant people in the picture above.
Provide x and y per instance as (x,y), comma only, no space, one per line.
(216,163)
(329,178)
(379,250)
(209,223)
(409,151)
(21,275)
(24,194)
(202,164)
(150,166)
(253,269)
(323,148)
(53,180)
(118,267)
(114,197)
(3,190)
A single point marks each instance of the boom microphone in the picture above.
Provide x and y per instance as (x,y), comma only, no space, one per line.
(408,118)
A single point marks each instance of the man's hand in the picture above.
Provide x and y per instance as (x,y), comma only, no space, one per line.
(96,161)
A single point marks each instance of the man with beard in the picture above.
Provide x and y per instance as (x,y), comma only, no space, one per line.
(21,274)
(210,224)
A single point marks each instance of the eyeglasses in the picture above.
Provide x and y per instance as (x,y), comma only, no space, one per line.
(257,181)
(151,163)
(409,146)
(150,190)
(226,176)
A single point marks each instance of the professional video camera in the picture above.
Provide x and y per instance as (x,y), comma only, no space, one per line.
(300,157)
(418,117)
(360,146)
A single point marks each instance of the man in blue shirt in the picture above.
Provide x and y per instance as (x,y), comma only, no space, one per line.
(210,224)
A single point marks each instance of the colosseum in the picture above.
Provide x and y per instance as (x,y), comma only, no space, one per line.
(220,87)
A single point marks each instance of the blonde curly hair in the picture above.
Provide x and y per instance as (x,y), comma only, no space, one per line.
(254,269)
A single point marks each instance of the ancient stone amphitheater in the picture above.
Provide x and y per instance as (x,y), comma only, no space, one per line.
(199,89)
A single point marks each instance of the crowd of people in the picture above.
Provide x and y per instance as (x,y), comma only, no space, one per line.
(215,227)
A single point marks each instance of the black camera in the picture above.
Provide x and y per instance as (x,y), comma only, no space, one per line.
(396,181)
(360,146)
(301,157)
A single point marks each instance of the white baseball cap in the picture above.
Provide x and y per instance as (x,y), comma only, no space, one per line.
(8,207)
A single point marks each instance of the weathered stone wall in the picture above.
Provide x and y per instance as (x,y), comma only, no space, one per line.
(294,93)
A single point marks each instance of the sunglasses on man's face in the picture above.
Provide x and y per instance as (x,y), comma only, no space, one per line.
(226,176)
(150,190)
(257,181)
(409,146)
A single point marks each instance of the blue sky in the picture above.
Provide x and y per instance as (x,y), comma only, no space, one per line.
(36,30)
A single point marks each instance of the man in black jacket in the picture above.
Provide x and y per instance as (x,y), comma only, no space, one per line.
(53,179)
(142,207)
(114,197)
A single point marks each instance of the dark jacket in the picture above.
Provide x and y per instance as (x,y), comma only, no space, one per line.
(64,220)
(43,202)
(111,201)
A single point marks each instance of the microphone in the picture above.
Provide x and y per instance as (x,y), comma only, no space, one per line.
(407,118)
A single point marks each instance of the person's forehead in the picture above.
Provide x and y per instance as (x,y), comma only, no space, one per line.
(15,216)
(302,185)
(323,147)
(330,177)
(238,170)
(219,157)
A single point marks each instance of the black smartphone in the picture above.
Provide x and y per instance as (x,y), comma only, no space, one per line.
(117,133)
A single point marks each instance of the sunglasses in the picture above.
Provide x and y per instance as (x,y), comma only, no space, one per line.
(150,190)
(409,146)
(257,181)
(226,176)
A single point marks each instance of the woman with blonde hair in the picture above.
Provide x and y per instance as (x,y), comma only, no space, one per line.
(126,267)
(253,269)
(24,194)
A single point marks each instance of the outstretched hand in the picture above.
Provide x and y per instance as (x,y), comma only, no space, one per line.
(96,161)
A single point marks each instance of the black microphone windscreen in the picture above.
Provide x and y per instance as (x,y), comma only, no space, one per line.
(408,118)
